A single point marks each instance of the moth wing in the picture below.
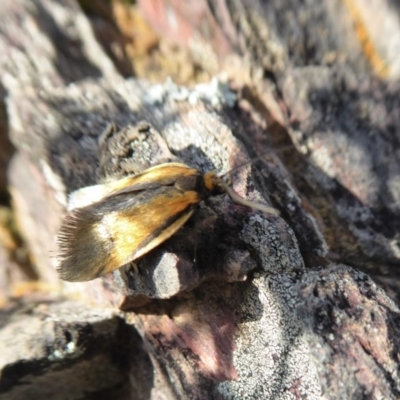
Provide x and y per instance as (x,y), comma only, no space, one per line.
(86,196)
(93,194)
(108,234)
(154,177)
(161,237)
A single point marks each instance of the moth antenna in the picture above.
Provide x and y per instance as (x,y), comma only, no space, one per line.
(253,160)
(240,200)
(248,203)
(239,166)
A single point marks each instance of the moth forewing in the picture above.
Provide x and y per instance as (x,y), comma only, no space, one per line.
(164,235)
(155,176)
(88,195)
(81,255)
(135,215)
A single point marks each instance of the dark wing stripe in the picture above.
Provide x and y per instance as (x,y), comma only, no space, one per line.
(140,187)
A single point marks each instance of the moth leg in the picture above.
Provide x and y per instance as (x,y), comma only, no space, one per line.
(133,266)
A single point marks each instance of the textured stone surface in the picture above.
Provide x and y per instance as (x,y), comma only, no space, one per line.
(60,349)
(237,303)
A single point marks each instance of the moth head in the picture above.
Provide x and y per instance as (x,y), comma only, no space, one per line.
(214,183)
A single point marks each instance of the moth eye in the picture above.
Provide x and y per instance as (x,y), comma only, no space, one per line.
(228,180)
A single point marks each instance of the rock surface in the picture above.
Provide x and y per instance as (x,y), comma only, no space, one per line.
(238,304)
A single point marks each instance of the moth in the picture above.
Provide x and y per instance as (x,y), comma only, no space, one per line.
(111,225)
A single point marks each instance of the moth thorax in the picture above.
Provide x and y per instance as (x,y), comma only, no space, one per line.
(213,183)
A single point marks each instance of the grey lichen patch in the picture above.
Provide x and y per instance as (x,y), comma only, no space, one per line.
(272,356)
(215,92)
(274,242)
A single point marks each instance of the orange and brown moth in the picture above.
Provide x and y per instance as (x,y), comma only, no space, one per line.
(113,224)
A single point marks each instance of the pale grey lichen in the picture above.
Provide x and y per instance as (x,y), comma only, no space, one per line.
(215,92)
(272,357)
(274,242)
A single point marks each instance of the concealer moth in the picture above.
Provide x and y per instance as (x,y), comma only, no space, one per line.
(111,225)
